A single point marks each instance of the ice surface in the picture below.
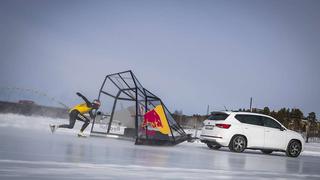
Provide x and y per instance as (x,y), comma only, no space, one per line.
(29,151)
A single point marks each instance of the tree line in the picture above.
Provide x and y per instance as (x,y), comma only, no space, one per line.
(293,119)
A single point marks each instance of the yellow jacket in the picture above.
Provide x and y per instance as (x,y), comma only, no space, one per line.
(82,108)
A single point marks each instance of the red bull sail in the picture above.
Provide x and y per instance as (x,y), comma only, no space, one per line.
(156,118)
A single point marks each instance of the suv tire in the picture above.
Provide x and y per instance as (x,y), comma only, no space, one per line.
(294,148)
(238,144)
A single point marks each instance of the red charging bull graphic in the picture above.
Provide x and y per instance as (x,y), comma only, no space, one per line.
(156,118)
(152,118)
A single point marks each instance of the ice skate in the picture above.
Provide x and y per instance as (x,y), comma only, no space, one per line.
(53,127)
(81,134)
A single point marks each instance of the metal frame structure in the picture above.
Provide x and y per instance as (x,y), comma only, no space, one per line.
(130,89)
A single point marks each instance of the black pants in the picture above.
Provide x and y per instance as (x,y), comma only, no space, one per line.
(73,116)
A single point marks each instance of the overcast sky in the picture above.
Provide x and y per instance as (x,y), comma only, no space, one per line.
(189,53)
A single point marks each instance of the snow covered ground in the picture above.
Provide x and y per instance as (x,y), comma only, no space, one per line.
(28,150)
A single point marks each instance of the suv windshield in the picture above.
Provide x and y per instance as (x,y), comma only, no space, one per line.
(218,116)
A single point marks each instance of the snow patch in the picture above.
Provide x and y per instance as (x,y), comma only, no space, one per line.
(38,123)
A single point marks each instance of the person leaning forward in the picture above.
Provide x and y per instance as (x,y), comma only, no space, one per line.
(77,113)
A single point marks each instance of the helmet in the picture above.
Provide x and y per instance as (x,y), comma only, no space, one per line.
(96,103)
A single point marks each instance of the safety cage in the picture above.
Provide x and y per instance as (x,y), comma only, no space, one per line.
(129,110)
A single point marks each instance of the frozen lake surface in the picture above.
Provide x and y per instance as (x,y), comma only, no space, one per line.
(29,151)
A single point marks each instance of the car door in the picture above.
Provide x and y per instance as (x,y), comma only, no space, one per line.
(275,136)
(253,129)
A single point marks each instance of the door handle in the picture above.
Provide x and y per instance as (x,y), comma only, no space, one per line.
(267,131)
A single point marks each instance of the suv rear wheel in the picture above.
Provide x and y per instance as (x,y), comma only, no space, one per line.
(238,144)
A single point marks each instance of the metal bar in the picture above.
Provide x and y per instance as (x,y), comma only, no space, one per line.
(136,124)
(104,81)
(167,121)
(119,73)
(112,113)
(118,87)
(180,128)
(151,93)
(125,81)
(95,113)
(155,98)
(145,105)
(145,111)
(134,81)
(114,83)
(127,99)
(151,102)
(143,95)
(108,94)
(130,89)
(142,90)
(121,84)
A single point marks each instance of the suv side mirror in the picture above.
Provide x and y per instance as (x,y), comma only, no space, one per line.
(282,128)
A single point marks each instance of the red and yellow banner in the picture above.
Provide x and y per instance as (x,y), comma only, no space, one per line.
(156,118)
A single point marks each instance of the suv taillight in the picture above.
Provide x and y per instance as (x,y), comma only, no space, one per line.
(224,126)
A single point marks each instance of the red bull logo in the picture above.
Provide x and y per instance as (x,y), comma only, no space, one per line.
(152,118)
(156,118)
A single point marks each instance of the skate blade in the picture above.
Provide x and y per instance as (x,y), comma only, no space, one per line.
(51,128)
(81,136)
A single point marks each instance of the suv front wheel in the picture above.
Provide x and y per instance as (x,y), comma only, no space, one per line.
(238,144)
(294,148)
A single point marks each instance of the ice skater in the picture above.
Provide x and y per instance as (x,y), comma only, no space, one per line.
(77,113)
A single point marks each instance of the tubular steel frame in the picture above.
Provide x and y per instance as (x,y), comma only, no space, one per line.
(139,91)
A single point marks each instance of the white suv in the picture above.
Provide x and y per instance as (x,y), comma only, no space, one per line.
(243,130)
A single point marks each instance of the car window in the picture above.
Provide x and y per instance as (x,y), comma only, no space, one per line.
(268,122)
(218,116)
(250,119)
